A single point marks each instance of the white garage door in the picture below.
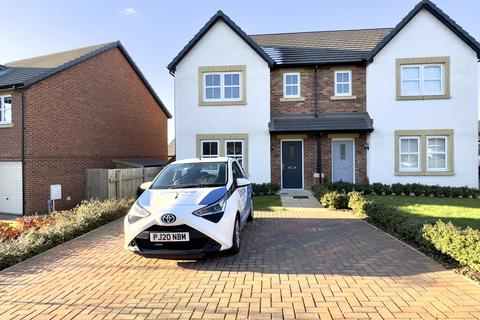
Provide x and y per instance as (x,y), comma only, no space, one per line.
(11,187)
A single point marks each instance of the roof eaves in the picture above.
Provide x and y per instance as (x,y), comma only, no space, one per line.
(219,16)
(144,80)
(436,12)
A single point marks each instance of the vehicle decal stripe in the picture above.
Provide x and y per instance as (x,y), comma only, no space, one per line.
(213,196)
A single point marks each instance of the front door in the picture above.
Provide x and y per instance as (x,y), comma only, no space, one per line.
(342,163)
(292,165)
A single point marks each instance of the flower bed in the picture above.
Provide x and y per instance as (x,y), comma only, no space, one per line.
(30,236)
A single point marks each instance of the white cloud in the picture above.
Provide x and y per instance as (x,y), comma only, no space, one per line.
(130,12)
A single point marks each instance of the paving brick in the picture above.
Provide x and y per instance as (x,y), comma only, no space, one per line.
(293,265)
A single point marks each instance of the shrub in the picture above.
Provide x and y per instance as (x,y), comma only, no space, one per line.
(406,189)
(265,189)
(357,203)
(319,191)
(66,226)
(335,200)
(462,245)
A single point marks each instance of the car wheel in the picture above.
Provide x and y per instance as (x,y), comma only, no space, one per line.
(250,214)
(236,237)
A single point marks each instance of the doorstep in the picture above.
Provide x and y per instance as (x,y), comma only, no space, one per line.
(299,199)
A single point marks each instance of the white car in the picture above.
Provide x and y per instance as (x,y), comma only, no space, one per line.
(192,207)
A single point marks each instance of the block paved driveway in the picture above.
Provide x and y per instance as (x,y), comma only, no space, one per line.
(303,265)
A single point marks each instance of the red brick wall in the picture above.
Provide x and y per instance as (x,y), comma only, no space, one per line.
(310,159)
(11,136)
(84,118)
(325,89)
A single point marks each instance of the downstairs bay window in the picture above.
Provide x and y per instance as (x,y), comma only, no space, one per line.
(424,152)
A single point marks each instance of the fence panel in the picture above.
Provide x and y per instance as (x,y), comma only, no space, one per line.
(117,183)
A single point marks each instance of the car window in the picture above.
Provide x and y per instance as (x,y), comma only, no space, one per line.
(192,175)
(237,172)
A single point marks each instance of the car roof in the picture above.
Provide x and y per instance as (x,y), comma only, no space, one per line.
(200,160)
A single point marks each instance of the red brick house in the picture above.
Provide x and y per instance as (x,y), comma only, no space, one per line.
(65,112)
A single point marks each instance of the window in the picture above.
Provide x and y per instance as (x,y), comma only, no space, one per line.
(419,80)
(437,153)
(234,149)
(409,153)
(424,152)
(5,109)
(210,149)
(291,85)
(222,86)
(343,151)
(343,83)
(192,174)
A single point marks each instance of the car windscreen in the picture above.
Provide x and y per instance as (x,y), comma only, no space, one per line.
(192,175)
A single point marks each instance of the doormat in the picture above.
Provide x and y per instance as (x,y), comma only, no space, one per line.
(300,197)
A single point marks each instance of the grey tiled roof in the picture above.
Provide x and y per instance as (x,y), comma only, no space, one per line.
(325,122)
(320,47)
(23,73)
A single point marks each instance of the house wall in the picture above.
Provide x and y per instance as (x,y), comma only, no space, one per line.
(85,117)
(310,158)
(223,47)
(11,135)
(458,113)
(325,90)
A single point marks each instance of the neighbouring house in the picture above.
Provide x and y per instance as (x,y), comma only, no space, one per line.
(370,105)
(63,113)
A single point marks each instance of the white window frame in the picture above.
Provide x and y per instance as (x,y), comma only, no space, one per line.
(422,79)
(400,153)
(236,156)
(222,86)
(299,94)
(209,156)
(4,109)
(445,152)
(349,93)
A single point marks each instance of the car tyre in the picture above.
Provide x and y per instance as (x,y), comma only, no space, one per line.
(250,214)
(236,237)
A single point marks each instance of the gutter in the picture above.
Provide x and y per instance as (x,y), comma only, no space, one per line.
(23,153)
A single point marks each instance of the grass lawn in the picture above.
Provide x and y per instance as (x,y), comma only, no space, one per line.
(267,203)
(462,212)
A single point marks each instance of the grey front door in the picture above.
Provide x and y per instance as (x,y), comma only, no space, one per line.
(342,160)
(292,165)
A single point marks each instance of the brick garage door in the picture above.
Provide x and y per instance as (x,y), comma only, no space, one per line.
(11,187)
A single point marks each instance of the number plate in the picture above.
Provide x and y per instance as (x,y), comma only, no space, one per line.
(169,236)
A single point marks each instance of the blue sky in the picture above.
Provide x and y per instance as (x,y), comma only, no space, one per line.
(154,31)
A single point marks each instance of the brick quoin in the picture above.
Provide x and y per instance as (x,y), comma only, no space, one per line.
(83,117)
(325,89)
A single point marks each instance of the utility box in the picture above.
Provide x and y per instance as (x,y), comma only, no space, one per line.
(55,192)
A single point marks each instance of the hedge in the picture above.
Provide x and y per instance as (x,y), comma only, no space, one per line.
(334,200)
(409,189)
(265,189)
(434,237)
(66,226)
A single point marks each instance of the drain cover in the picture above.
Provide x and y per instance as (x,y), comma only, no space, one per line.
(300,197)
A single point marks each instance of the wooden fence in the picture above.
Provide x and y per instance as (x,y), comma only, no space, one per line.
(117,183)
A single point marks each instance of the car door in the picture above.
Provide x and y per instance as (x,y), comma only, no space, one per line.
(242,192)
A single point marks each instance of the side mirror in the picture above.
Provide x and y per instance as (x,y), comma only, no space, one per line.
(144,186)
(242,182)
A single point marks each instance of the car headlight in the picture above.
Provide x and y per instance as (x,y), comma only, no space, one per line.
(137,212)
(214,208)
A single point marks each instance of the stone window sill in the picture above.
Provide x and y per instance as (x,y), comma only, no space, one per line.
(6,125)
(425,173)
(423,97)
(293,99)
(343,97)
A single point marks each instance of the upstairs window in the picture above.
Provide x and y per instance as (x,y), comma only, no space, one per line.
(222,86)
(5,109)
(343,83)
(291,85)
(422,80)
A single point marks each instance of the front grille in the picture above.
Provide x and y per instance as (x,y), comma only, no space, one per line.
(198,240)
